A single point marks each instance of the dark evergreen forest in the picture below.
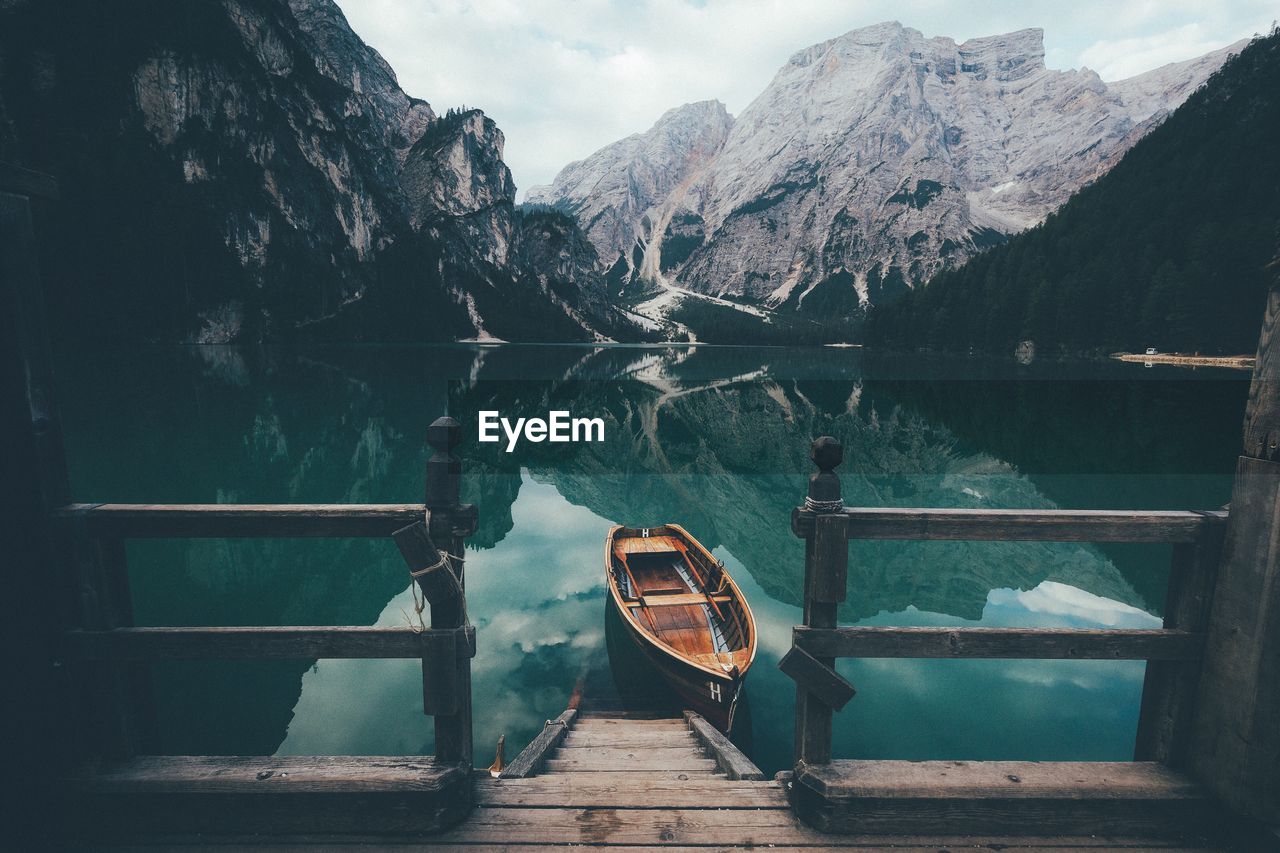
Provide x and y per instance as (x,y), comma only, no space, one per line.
(1169,249)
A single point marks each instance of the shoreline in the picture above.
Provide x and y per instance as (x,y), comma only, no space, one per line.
(1236,362)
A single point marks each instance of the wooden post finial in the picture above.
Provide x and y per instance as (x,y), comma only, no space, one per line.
(444,468)
(444,434)
(824,486)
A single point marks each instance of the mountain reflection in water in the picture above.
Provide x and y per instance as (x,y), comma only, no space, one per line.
(715,438)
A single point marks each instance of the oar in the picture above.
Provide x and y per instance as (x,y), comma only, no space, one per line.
(684,552)
(635,588)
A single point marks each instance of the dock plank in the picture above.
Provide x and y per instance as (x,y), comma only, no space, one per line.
(994,797)
(633,826)
(722,828)
(580,740)
(625,756)
(613,724)
(683,764)
(870,842)
(586,790)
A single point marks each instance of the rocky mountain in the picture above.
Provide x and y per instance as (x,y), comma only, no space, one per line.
(1173,248)
(870,162)
(628,194)
(250,170)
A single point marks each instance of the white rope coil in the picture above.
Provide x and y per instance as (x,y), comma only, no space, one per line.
(823,506)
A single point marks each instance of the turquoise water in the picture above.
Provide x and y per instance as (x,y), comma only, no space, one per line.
(714,438)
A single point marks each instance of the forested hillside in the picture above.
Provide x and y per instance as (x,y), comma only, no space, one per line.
(1168,249)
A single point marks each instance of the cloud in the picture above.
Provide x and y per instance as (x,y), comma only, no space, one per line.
(563,79)
(1121,58)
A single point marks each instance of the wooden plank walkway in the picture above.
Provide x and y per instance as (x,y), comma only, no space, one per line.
(634,783)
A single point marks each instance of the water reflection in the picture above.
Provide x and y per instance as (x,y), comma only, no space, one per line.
(713,438)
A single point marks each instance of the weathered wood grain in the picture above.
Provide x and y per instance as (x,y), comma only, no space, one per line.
(813,712)
(1027,643)
(153,644)
(1023,525)
(266,774)
(576,739)
(995,797)
(731,760)
(449,522)
(1138,780)
(831,551)
(636,777)
(191,796)
(597,724)
(1235,748)
(585,790)
(684,762)
(932,844)
(1262,412)
(228,521)
(1169,687)
(620,825)
(534,756)
(428,566)
(817,676)
(622,757)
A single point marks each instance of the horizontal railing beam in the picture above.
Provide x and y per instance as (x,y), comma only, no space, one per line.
(299,643)
(1020,524)
(1016,643)
(228,521)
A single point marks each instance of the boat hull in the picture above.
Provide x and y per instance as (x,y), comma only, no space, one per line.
(714,697)
(657,579)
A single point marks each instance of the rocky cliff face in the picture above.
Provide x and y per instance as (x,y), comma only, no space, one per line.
(627,195)
(869,162)
(251,170)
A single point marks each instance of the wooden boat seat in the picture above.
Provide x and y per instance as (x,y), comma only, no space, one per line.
(677,600)
(646,545)
(665,590)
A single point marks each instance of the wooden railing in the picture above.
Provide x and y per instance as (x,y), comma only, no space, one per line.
(115,650)
(1173,652)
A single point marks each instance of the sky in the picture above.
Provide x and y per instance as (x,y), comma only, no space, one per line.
(563,79)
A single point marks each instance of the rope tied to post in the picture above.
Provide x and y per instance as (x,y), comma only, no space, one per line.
(823,506)
(446,561)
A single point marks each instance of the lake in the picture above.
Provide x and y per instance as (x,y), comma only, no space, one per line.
(713,438)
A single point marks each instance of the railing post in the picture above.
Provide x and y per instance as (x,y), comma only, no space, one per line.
(1235,745)
(120,701)
(450,523)
(824,573)
(96,568)
(1169,688)
(39,698)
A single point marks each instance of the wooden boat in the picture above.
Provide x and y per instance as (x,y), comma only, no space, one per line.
(686,615)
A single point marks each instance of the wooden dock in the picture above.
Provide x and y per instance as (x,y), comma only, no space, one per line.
(640,783)
(633,782)
(1205,774)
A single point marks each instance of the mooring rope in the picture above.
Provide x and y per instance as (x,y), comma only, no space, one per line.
(420,604)
(823,506)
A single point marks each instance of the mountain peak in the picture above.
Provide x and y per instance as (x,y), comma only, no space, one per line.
(869,162)
(694,109)
(1009,56)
